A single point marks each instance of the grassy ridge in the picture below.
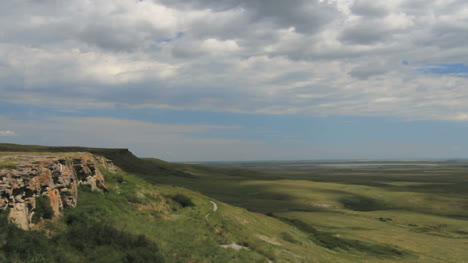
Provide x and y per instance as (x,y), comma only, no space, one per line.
(317,214)
(123,158)
(136,221)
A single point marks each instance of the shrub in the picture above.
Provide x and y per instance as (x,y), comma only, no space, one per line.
(80,242)
(43,209)
(183,200)
(85,188)
(119,179)
(22,246)
(92,236)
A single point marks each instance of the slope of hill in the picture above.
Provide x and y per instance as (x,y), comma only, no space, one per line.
(139,221)
(419,208)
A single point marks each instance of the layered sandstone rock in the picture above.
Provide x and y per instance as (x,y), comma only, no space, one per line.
(56,177)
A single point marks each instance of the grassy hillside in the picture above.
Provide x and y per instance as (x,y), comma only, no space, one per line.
(137,221)
(421,209)
(284,214)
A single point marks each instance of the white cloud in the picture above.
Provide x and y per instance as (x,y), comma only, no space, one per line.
(338,57)
(7,133)
(219,47)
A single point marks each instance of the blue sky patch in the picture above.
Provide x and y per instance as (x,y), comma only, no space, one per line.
(457,69)
(313,134)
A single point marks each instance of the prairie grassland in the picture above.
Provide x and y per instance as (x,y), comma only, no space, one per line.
(281,213)
(139,221)
(420,209)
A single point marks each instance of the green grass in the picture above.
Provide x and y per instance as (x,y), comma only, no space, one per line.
(296,213)
(81,239)
(155,222)
(330,240)
(416,210)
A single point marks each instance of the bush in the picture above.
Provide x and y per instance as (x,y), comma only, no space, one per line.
(22,246)
(43,209)
(81,243)
(83,238)
(85,188)
(119,179)
(183,200)
(90,236)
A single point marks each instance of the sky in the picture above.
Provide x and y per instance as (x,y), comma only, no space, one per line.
(213,80)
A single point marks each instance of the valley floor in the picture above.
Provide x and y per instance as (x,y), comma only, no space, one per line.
(419,209)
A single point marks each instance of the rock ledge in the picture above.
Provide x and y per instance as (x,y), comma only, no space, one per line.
(56,177)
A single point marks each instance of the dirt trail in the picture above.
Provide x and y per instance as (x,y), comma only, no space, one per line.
(233,245)
(215,208)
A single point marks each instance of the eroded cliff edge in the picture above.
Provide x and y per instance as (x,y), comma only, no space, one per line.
(26,180)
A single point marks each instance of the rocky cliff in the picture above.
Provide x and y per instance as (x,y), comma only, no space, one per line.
(27,178)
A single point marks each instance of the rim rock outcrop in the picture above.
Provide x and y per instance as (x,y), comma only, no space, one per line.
(57,178)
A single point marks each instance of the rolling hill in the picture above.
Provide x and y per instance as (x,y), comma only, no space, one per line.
(155,211)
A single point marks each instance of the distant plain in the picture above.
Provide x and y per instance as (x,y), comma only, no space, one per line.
(418,206)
